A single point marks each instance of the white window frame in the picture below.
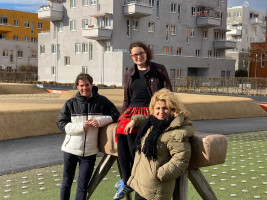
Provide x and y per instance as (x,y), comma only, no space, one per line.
(192,32)
(90,51)
(60,27)
(53,71)
(151,27)
(157,8)
(72,3)
(27,38)
(5,52)
(128,28)
(167,32)
(26,24)
(73,25)
(85,2)
(53,48)
(197,52)
(42,49)
(173,30)
(135,25)
(179,11)
(187,35)
(205,33)
(78,48)
(67,60)
(40,25)
(85,48)
(92,2)
(179,51)
(173,7)
(107,46)
(16,22)
(84,69)
(19,54)
(85,23)
(152,3)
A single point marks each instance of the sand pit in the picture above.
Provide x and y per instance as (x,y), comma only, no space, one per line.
(32,114)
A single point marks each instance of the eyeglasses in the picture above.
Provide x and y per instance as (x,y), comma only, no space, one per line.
(138,54)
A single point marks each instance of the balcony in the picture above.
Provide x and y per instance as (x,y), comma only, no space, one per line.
(224,44)
(234,32)
(255,21)
(96,33)
(208,21)
(207,3)
(51,13)
(137,9)
(4,28)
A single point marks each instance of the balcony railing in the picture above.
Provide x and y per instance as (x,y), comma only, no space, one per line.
(234,32)
(51,13)
(206,21)
(255,21)
(224,44)
(97,33)
(4,28)
(137,9)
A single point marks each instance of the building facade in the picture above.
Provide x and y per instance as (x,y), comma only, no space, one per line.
(93,36)
(19,38)
(245,26)
(258,58)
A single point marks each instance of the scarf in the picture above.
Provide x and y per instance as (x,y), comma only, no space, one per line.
(150,146)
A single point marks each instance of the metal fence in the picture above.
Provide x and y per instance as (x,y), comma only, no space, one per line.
(236,85)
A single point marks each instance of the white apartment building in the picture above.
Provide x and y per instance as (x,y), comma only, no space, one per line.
(93,36)
(245,26)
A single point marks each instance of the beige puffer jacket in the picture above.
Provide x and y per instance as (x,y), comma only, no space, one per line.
(174,153)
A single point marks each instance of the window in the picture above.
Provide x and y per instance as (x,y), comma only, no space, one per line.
(72,3)
(157,9)
(199,11)
(107,46)
(85,2)
(40,25)
(228,73)
(33,39)
(42,49)
(90,51)
(53,48)
(27,39)
(34,54)
(216,54)
(5,52)
(167,32)
(173,30)
(67,60)
(152,3)
(216,35)
(84,70)
(85,47)
(32,28)
(197,52)
(3,20)
(239,14)
(135,24)
(173,7)
(179,73)
(16,22)
(192,32)
(128,28)
(193,11)
(179,12)
(53,71)
(11,57)
(27,24)
(93,2)
(19,53)
(15,37)
(187,35)
(72,25)
(165,50)
(2,36)
(78,48)
(85,23)
(179,51)
(172,73)
(60,27)
(151,26)
(98,5)
(209,54)
(205,34)
(222,73)
(262,60)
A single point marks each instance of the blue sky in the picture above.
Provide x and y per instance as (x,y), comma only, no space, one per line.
(34,5)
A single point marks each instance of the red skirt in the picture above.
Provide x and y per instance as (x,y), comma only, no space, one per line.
(125,118)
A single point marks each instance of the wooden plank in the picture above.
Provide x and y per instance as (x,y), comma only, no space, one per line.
(100,172)
(181,187)
(200,183)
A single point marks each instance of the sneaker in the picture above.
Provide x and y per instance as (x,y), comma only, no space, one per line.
(118,184)
(122,191)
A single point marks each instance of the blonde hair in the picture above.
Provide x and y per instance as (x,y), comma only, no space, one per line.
(171,102)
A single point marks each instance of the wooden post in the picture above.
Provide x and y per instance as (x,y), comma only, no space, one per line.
(100,172)
(181,187)
(201,184)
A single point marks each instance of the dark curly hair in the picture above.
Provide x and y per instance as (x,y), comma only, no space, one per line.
(144,46)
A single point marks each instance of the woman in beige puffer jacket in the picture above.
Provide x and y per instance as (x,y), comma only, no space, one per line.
(163,149)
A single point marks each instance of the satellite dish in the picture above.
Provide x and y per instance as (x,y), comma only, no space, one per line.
(246,4)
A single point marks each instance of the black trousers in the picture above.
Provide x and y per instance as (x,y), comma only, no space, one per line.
(86,167)
(126,148)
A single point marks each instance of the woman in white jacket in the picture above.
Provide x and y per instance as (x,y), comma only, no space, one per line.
(80,119)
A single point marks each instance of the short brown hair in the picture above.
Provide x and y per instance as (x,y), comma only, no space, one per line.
(148,50)
(83,76)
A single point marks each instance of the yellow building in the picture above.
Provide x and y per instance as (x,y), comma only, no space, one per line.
(23,26)
(19,38)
